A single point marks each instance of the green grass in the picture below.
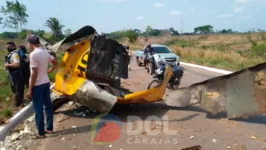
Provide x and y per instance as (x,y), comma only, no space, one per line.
(229,60)
(8,112)
(6,105)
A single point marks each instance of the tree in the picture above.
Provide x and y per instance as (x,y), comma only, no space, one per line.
(1,20)
(224,31)
(173,31)
(67,32)
(203,29)
(229,31)
(9,35)
(137,31)
(131,35)
(148,29)
(39,33)
(55,25)
(15,15)
(155,32)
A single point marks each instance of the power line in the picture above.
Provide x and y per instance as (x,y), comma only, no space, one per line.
(181,26)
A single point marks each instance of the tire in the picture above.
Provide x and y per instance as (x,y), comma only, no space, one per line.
(176,84)
(155,81)
(138,62)
(57,103)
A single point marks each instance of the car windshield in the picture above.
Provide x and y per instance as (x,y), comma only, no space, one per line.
(161,50)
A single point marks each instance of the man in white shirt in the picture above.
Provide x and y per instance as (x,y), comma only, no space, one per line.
(39,86)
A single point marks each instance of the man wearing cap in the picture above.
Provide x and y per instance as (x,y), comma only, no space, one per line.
(16,80)
(39,86)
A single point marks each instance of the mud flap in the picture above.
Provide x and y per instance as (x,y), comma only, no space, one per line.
(239,94)
(92,96)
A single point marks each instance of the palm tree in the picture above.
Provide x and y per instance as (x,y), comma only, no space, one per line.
(56,27)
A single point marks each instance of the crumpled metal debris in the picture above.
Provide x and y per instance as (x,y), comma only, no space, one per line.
(92,96)
(239,94)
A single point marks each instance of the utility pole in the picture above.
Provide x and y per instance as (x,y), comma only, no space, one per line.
(181,26)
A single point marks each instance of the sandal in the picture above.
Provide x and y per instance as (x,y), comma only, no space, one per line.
(37,136)
(48,131)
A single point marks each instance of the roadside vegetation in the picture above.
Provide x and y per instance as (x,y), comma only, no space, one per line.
(229,51)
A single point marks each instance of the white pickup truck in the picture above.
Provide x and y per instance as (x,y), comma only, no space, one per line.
(162,53)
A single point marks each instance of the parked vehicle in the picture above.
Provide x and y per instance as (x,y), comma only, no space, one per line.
(161,53)
(175,80)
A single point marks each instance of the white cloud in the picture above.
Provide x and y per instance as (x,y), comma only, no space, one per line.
(158,5)
(174,12)
(139,17)
(239,9)
(225,16)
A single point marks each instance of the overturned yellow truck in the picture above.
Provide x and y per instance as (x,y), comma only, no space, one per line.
(92,66)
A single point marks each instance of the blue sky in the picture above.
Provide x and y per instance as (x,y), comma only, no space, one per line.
(110,15)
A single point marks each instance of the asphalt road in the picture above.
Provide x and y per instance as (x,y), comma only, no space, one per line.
(190,126)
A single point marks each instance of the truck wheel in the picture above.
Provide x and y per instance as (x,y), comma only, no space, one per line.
(138,62)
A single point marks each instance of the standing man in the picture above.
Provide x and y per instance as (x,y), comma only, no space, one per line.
(15,76)
(39,86)
(130,55)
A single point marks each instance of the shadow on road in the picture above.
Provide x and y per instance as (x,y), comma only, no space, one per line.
(159,110)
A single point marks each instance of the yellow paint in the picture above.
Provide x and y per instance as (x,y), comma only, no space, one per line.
(69,77)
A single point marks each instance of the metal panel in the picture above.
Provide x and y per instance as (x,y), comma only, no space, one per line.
(240,99)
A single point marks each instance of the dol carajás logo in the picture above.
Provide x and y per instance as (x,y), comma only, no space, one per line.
(105,128)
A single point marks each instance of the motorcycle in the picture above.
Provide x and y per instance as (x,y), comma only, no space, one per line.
(175,80)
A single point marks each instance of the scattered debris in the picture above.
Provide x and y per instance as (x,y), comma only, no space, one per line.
(192,137)
(214,141)
(64,119)
(79,114)
(213,94)
(74,134)
(21,132)
(228,147)
(238,147)
(143,133)
(259,78)
(63,138)
(253,137)
(19,127)
(110,146)
(74,147)
(197,147)
(70,103)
